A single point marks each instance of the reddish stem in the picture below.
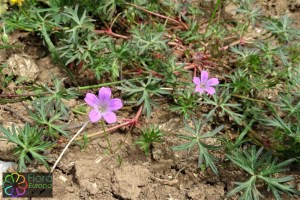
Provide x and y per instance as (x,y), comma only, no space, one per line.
(137,115)
(240,41)
(109,32)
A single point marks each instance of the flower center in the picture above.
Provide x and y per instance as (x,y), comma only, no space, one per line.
(102,108)
(202,85)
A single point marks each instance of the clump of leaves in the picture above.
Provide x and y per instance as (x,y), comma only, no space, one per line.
(149,136)
(241,82)
(221,103)
(46,116)
(286,129)
(249,11)
(185,103)
(148,39)
(29,145)
(197,139)
(143,91)
(282,29)
(56,94)
(261,168)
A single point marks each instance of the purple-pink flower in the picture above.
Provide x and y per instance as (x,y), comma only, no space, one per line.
(204,84)
(103,106)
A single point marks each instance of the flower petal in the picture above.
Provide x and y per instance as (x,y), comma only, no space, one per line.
(115,104)
(210,90)
(95,115)
(110,117)
(204,76)
(91,100)
(196,80)
(212,82)
(104,94)
(199,89)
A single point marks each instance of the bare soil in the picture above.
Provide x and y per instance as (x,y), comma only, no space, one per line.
(93,173)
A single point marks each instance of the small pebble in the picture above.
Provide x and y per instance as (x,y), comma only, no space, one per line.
(98,160)
(61,177)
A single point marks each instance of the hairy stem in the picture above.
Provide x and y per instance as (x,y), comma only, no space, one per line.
(106,137)
(109,32)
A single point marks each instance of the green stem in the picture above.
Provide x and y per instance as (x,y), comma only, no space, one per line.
(248,98)
(78,112)
(5,101)
(25,13)
(106,137)
(216,8)
(106,84)
(257,100)
(115,19)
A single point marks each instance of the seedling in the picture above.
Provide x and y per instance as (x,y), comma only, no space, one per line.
(146,141)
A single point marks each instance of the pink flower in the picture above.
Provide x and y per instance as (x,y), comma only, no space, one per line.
(103,106)
(204,84)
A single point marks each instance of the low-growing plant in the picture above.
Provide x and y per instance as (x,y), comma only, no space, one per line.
(46,116)
(143,92)
(261,169)
(153,47)
(185,102)
(29,145)
(241,82)
(285,130)
(150,135)
(148,41)
(282,29)
(197,139)
(223,106)
(56,94)
(247,9)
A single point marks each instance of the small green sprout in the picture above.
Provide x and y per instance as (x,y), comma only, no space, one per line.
(149,136)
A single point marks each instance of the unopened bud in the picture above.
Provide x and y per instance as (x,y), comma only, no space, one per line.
(5,38)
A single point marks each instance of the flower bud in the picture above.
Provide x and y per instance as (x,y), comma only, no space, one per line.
(5,38)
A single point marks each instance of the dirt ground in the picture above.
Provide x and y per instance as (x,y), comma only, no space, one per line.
(93,174)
